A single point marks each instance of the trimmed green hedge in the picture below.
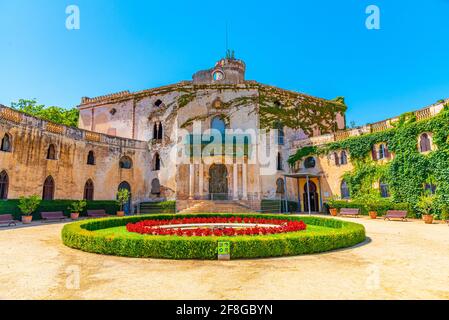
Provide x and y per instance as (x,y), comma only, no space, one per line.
(276,206)
(10,207)
(158,207)
(82,235)
(381,208)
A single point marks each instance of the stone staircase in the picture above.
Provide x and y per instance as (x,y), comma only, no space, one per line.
(215,206)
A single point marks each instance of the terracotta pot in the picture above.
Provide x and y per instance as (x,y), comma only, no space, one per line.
(27,219)
(428,218)
(373,214)
(120,213)
(74,215)
(333,212)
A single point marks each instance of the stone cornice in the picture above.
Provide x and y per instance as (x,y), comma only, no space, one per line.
(17,118)
(188,86)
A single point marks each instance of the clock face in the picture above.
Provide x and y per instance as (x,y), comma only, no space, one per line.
(218,75)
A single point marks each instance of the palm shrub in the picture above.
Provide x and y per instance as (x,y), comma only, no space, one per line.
(369,201)
(28,205)
(77,206)
(122,197)
(332,201)
(445,213)
(426,205)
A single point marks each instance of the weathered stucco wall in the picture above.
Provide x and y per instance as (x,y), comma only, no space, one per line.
(132,117)
(27,165)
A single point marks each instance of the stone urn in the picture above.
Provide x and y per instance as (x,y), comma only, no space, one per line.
(428,218)
(27,219)
(373,214)
(74,215)
(120,213)
(333,212)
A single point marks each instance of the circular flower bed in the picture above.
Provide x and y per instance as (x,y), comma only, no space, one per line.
(257,236)
(216,226)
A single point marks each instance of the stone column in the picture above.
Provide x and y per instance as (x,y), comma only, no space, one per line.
(245,180)
(192,181)
(235,181)
(201,180)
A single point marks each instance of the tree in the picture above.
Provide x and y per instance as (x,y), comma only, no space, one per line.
(68,117)
(29,204)
(122,197)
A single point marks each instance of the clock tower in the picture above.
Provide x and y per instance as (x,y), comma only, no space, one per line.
(226,71)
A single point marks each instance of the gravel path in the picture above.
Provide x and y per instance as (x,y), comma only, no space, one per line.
(407,260)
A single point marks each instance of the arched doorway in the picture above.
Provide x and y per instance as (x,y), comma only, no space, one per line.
(314,198)
(48,192)
(218,181)
(127,207)
(4,184)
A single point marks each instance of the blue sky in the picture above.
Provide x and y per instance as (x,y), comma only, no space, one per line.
(317,47)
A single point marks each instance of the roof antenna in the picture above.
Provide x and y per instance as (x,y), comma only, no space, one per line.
(229,54)
(227,41)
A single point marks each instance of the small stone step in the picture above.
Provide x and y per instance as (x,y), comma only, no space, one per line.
(218,206)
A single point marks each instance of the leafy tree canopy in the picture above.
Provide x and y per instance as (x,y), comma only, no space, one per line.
(68,117)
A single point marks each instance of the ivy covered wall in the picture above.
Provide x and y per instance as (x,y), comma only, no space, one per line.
(408,171)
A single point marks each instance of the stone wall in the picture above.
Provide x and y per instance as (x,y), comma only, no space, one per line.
(27,165)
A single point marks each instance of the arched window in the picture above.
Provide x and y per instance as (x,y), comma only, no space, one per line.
(6,143)
(280,133)
(48,192)
(125,185)
(344,189)
(156,162)
(125,163)
(309,163)
(219,124)
(160,133)
(430,188)
(279,161)
(343,158)
(51,152)
(280,188)
(89,190)
(374,153)
(384,192)
(281,136)
(157,131)
(158,103)
(336,159)
(156,187)
(383,152)
(4,184)
(91,158)
(425,144)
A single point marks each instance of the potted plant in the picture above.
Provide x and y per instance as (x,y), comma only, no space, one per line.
(426,206)
(332,202)
(370,203)
(122,199)
(445,213)
(27,206)
(76,208)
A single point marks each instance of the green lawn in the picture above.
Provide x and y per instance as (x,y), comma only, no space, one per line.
(121,231)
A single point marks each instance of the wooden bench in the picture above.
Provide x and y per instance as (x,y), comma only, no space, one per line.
(7,219)
(349,212)
(396,214)
(53,216)
(97,214)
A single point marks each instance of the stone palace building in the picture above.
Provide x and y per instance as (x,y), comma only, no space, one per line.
(155,143)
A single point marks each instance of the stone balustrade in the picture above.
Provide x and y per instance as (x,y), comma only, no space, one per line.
(422,114)
(22,119)
(10,114)
(380,126)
